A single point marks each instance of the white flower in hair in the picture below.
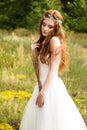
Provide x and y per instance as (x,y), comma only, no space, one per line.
(56,20)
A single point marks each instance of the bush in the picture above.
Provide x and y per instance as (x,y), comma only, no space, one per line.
(76,17)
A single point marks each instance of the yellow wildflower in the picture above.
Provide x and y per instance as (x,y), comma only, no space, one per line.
(23,94)
(4,126)
(5,95)
(21,76)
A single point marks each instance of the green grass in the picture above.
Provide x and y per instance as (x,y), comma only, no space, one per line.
(15,59)
(76,77)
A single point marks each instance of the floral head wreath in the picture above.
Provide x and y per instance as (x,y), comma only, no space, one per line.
(56,20)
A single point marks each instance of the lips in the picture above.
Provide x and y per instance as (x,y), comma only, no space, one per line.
(45,32)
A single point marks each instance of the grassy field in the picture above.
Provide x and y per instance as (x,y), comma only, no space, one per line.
(17,74)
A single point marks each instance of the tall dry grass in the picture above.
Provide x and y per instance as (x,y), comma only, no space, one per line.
(17,72)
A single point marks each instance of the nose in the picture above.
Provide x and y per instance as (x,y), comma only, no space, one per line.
(45,28)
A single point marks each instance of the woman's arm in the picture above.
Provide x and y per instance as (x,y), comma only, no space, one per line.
(54,62)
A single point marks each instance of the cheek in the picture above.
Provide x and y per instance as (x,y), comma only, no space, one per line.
(51,30)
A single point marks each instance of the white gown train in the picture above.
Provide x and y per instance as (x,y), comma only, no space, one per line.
(59,112)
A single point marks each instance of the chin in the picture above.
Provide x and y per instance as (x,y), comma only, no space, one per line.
(45,35)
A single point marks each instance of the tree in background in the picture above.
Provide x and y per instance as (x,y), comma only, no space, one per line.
(24,13)
(12,14)
(76,15)
(64,3)
(27,13)
(37,10)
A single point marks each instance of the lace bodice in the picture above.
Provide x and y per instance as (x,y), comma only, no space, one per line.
(43,70)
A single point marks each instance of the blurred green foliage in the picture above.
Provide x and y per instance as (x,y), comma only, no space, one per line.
(27,13)
(76,15)
(24,13)
(17,76)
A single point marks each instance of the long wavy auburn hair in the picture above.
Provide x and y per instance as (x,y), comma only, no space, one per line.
(44,49)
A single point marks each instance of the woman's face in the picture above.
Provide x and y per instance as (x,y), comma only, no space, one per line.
(47,26)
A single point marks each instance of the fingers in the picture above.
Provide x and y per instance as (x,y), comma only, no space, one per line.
(39,101)
(41,104)
(34,45)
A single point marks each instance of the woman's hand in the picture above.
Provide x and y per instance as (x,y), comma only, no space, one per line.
(40,100)
(34,46)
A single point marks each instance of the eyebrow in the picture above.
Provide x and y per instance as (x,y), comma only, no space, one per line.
(48,24)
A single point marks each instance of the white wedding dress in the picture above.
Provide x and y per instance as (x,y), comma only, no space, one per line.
(58,112)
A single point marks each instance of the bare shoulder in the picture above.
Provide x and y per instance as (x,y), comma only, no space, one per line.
(54,43)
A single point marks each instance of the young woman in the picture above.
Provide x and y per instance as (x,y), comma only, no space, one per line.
(51,107)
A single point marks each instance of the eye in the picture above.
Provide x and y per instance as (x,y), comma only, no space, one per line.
(50,27)
(44,24)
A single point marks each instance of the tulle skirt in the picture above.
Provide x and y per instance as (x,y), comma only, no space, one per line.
(59,112)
